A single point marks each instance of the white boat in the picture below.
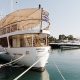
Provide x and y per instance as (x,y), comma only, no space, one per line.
(25,32)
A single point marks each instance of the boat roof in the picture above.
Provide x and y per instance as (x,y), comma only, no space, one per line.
(31,14)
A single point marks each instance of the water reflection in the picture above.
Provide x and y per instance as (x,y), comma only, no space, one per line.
(10,73)
(68,62)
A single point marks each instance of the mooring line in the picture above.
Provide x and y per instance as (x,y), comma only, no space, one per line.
(12,61)
(59,70)
(28,69)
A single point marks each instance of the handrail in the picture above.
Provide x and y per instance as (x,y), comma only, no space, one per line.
(23,26)
(18,21)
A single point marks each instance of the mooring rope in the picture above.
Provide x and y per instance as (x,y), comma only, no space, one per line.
(12,61)
(58,70)
(28,69)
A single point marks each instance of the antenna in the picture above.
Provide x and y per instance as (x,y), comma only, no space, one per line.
(39,6)
(41,17)
(12,6)
(13,2)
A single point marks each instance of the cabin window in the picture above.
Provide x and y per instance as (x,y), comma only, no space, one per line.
(4,30)
(13,27)
(20,40)
(40,40)
(28,40)
(8,29)
(3,42)
(0,31)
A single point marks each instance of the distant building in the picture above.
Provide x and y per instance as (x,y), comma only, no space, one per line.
(62,37)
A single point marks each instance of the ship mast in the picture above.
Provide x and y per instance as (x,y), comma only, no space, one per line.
(41,17)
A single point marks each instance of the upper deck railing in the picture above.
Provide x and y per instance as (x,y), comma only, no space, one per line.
(31,21)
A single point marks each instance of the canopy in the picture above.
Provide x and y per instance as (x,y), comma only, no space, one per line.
(25,17)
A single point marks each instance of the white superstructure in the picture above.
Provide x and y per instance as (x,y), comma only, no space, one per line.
(25,32)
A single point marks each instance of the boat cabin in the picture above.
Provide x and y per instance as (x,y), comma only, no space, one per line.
(12,26)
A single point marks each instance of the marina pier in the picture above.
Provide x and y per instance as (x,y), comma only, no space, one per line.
(58,45)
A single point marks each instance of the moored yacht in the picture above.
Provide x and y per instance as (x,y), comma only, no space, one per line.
(25,32)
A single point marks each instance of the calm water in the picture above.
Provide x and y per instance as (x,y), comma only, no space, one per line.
(68,62)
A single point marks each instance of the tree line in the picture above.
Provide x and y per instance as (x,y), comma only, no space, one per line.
(61,38)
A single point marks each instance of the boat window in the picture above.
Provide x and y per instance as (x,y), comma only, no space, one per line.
(8,30)
(28,40)
(40,40)
(20,40)
(3,42)
(13,27)
(0,31)
(4,30)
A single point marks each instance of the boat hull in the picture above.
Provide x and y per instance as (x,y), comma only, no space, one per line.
(30,56)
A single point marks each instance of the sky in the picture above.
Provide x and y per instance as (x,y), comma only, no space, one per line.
(64,14)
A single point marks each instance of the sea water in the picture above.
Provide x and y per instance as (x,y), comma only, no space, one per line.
(62,65)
